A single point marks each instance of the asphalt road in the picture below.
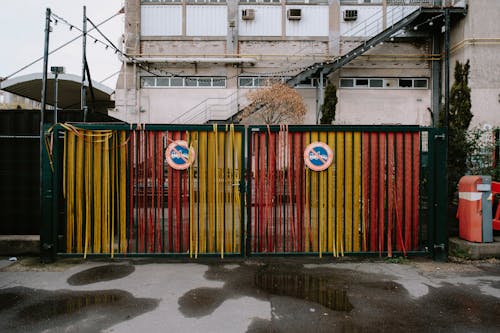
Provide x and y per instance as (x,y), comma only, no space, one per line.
(257,295)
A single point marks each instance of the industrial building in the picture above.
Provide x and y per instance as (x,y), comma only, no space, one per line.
(194,61)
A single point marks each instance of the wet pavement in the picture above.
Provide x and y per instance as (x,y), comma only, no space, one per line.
(271,295)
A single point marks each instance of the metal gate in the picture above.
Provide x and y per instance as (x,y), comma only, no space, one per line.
(115,193)
(120,197)
(369,200)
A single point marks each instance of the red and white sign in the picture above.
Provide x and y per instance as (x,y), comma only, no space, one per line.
(179,156)
(318,156)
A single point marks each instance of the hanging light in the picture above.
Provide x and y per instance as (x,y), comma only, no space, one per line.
(431,23)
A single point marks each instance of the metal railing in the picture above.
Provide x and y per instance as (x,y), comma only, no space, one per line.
(213,108)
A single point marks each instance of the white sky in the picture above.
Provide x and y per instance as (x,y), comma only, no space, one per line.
(22,24)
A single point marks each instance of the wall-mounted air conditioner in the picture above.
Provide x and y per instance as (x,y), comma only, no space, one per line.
(248,14)
(294,14)
(350,15)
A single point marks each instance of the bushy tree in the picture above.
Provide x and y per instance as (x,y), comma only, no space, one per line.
(276,104)
(459,119)
(329,105)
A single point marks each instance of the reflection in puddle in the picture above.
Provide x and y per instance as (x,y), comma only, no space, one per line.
(317,289)
(34,310)
(100,274)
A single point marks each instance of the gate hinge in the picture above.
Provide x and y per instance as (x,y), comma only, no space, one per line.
(440,136)
(439,246)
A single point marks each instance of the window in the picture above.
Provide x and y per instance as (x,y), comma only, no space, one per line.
(160,1)
(361,82)
(346,83)
(404,83)
(384,83)
(180,81)
(420,83)
(260,81)
(259,1)
(311,83)
(206,1)
(376,83)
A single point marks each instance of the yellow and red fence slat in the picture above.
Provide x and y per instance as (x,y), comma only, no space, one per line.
(94,192)
(122,196)
(368,200)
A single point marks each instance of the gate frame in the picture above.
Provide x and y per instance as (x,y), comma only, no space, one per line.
(437,237)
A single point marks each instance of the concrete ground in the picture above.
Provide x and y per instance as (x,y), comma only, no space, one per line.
(249,295)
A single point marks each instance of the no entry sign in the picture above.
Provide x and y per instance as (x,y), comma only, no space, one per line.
(179,156)
(318,156)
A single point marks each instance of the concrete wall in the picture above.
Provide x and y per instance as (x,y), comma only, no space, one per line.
(282,47)
(377,106)
(477,38)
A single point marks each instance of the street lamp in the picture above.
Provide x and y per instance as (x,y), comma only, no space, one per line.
(56,70)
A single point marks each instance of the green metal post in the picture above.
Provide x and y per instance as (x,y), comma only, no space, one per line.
(440,241)
(47,240)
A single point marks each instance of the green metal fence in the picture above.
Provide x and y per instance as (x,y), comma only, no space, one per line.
(122,190)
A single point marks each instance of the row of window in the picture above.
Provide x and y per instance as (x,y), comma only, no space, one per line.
(387,83)
(219,82)
(262,81)
(183,81)
(240,1)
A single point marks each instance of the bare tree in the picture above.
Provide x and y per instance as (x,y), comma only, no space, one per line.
(276,104)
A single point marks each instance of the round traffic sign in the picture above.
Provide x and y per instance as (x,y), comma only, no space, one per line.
(318,156)
(179,156)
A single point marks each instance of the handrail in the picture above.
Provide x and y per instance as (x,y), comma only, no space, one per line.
(203,111)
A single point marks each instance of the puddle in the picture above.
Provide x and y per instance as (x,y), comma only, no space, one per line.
(33,310)
(318,289)
(201,301)
(100,274)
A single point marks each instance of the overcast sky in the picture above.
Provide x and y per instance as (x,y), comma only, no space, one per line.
(22,24)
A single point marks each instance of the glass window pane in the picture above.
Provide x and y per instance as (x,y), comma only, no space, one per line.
(405,83)
(191,82)
(246,82)
(219,82)
(361,82)
(163,81)
(148,81)
(420,83)
(376,83)
(176,82)
(346,83)
(204,82)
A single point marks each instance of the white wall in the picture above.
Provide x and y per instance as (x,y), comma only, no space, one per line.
(314,21)
(377,106)
(208,20)
(161,20)
(368,23)
(267,21)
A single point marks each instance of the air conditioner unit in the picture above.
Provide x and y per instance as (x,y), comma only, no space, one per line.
(350,15)
(294,14)
(248,14)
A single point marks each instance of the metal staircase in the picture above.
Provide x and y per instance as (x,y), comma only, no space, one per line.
(432,10)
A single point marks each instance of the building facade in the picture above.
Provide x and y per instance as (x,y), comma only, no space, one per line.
(193,61)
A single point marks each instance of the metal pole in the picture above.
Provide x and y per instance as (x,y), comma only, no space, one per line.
(447,64)
(56,82)
(84,59)
(46,243)
(44,80)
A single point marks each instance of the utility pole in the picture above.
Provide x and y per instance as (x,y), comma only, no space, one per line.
(47,245)
(84,60)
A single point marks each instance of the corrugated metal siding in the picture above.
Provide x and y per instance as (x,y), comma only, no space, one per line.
(368,23)
(206,20)
(161,20)
(314,22)
(267,21)
(396,13)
